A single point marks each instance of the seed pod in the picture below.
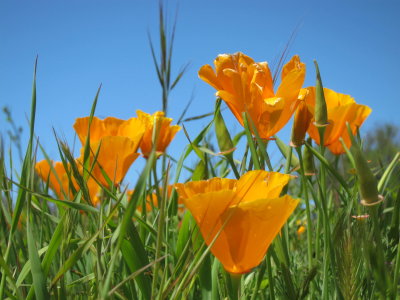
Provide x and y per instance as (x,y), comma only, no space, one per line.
(321,113)
(368,184)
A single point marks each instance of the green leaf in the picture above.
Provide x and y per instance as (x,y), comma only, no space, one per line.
(39,279)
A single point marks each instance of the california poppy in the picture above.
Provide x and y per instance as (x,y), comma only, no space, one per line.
(164,130)
(113,143)
(60,183)
(243,216)
(247,86)
(341,109)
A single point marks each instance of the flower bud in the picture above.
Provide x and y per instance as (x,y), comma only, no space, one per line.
(321,112)
(302,119)
(367,182)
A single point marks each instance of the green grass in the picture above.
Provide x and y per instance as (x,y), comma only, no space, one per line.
(68,249)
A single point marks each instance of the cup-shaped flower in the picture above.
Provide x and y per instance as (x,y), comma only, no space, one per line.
(112,155)
(161,125)
(113,145)
(132,128)
(240,218)
(60,181)
(247,86)
(341,109)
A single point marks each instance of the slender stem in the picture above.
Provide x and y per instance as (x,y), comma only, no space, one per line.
(396,271)
(234,169)
(236,280)
(270,277)
(214,280)
(160,229)
(260,276)
(308,209)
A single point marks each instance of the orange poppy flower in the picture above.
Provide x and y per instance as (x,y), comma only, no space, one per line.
(341,108)
(115,155)
(165,132)
(243,216)
(247,86)
(60,183)
(114,141)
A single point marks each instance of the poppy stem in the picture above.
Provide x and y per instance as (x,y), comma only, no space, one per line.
(236,283)
(308,210)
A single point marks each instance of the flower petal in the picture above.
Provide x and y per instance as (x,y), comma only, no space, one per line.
(115,154)
(260,184)
(194,188)
(250,229)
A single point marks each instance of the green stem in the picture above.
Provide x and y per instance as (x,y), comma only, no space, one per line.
(271,284)
(396,276)
(308,209)
(232,164)
(236,283)
(214,280)
(260,276)
(160,229)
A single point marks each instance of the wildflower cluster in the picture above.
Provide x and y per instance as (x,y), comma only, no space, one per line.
(235,227)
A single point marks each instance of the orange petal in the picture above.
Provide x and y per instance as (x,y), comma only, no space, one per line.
(207,209)
(207,74)
(250,229)
(165,132)
(57,177)
(98,128)
(293,75)
(260,184)
(193,188)
(115,156)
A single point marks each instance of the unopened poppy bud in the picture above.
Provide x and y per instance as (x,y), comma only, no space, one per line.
(308,160)
(367,182)
(321,112)
(302,119)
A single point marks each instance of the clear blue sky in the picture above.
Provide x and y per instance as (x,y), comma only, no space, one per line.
(84,43)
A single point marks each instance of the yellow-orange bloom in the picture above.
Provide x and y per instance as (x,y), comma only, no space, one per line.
(341,109)
(247,86)
(301,230)
(243,216)
(132,128)
(60,183)
(114,142)
(165,132)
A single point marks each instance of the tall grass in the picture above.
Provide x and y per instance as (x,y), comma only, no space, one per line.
(54,248)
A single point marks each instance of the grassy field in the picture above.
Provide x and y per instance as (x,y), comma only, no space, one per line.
(326,226)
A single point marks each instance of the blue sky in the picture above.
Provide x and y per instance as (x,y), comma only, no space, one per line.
(81,44)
